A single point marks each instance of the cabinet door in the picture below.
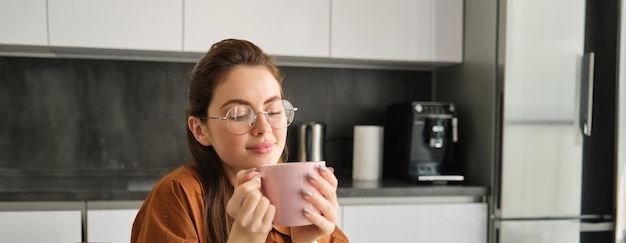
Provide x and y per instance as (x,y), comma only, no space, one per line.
(116,24)
(433,223)
(340,215)
(279,27)
(111,221)
(110,225)
(401,30)
(40,226)
(23,22)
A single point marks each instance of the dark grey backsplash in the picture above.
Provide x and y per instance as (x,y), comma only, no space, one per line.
(101,115)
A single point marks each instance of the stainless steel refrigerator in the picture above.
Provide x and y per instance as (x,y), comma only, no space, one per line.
(560,167)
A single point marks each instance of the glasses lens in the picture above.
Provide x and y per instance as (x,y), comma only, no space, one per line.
(280,113)
(289,112)
(239,119)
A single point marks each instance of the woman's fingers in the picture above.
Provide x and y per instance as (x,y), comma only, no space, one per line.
(322,222)
(241,190)
(329,174)
(326,201)
(246,175)
(248,206)
(326,207)
(265,211)
(326,182)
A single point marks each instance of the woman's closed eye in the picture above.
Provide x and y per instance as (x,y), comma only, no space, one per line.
(274,113)
(243,117)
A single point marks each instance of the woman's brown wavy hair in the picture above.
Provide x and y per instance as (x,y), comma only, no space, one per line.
(208,73)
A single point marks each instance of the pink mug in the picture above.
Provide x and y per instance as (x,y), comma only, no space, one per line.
(283,183)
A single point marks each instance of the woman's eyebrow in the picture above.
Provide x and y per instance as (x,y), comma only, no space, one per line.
(272,99)
(244,102)
(235,101)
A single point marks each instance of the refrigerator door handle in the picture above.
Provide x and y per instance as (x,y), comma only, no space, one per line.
(586,93)
(597,227)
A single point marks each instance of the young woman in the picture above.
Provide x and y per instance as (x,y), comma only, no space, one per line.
(237,121)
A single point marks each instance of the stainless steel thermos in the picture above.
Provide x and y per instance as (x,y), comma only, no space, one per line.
(311,141)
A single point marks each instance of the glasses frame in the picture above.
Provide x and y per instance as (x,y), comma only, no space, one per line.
(254,117)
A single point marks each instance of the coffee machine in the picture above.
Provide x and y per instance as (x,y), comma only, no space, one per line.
(419,139)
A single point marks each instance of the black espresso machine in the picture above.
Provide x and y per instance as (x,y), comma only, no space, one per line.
(419,139)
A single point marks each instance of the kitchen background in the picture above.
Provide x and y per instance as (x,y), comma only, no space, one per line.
(73,115)
(486,56)
(69,85)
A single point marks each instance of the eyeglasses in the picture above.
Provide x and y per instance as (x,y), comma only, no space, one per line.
(241,118)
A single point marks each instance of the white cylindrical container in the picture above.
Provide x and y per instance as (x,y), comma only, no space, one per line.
(367,152)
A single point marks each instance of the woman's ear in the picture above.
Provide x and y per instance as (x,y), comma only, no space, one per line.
(195,126)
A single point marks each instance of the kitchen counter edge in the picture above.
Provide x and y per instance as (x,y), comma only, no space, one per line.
(346,194)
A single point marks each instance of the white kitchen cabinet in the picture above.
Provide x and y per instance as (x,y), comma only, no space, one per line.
(280,27)
(143,25)
(398,30)
(433,223)
(340,215)
(40,222)
(111,221)
(23,22)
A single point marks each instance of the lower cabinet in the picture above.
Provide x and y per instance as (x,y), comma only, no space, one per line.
(432,223)
(30,223)
(340,219)
(111,221)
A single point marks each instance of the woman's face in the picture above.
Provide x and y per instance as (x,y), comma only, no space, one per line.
(256,87)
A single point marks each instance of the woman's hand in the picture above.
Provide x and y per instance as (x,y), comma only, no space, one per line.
(252,211)
(324,224)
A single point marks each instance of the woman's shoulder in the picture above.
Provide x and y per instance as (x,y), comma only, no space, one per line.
(172,209)
(184,179)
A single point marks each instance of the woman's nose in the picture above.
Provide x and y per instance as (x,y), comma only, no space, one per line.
(262,123)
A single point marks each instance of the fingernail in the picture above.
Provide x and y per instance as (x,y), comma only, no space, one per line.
(312,177)
(306,193)
(248,171)
(323,168)
(331,169)
(306,211)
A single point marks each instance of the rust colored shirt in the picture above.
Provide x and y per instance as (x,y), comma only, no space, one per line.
(174,212)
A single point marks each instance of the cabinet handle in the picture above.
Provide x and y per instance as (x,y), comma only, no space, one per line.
(586,93)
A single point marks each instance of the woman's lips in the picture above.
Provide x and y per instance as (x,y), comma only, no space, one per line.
(262,148)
